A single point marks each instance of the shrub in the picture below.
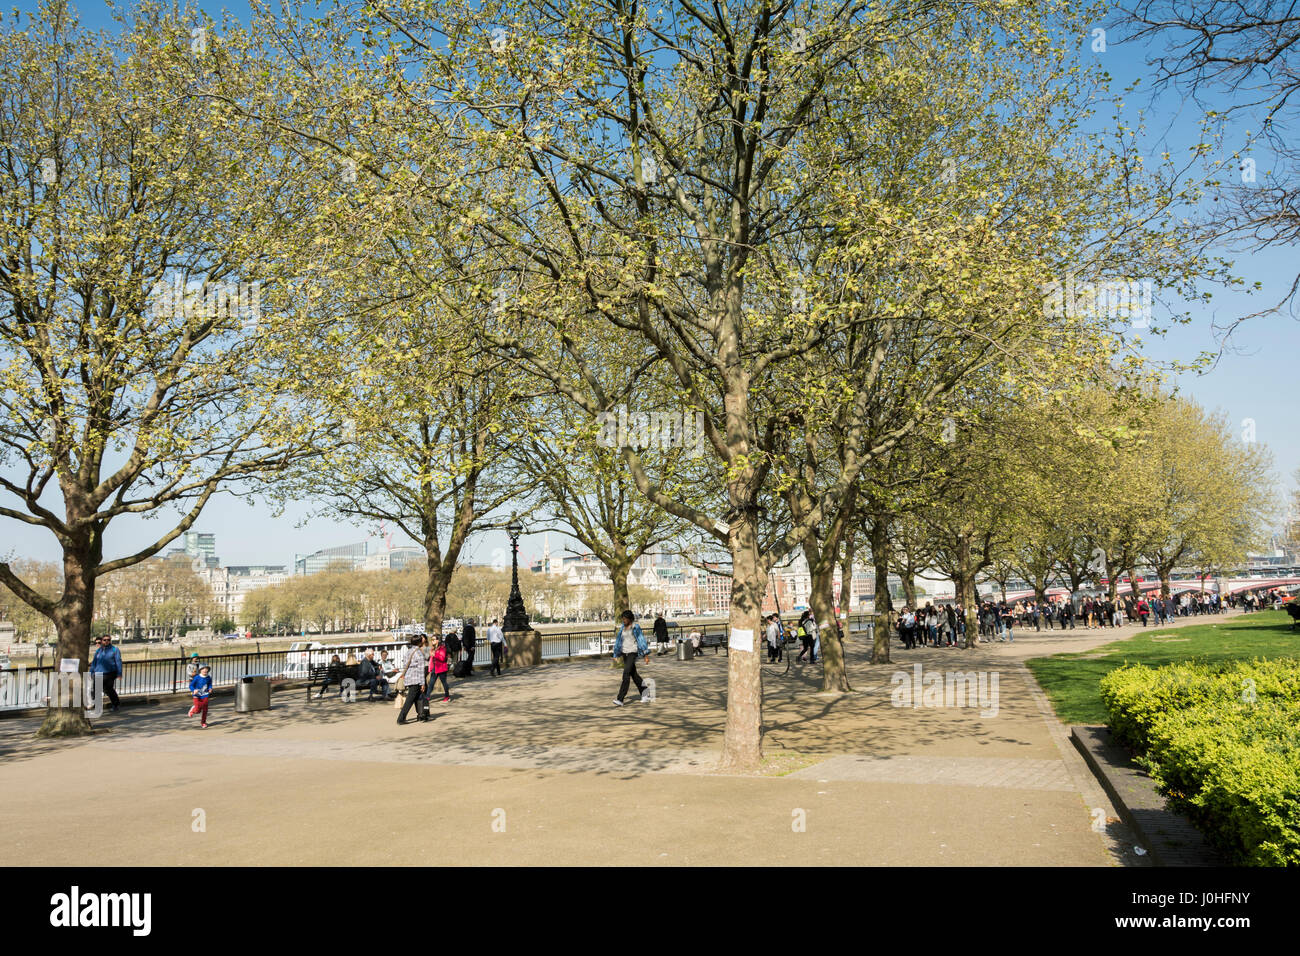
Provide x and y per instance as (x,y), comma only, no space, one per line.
(1223,743)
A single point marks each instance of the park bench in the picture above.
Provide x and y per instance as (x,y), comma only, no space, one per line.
(321,672)
(713,640)
(719,640)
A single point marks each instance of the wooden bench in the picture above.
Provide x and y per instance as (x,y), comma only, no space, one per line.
(321,677)
(712,640)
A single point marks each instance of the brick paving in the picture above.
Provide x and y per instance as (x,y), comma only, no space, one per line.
(876,783)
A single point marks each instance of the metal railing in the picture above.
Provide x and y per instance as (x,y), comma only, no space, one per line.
(24,688)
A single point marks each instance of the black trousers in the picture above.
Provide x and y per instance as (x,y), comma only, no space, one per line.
(109,690)
(375,685)
(498,651)
(469,657)
(630,675)
(412,695)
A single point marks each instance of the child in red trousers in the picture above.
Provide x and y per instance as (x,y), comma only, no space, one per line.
(201,688)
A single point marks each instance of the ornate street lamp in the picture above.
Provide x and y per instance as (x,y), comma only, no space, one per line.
(516,616)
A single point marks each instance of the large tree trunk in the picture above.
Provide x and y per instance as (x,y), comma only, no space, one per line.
(436,582)
(618,575)
(883,604)
(72,621)
(966,591)
(742,741)
(835,674)
(846,577)
(1040,590)
(823,585)
(909,586)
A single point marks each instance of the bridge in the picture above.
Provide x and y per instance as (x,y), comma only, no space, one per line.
(1238,585)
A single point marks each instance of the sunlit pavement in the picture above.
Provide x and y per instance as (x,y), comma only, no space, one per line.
(538,767)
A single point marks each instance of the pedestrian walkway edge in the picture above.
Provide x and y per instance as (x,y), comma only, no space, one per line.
(1170,838)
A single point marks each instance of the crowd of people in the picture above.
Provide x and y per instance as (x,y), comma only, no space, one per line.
(412,678)
(945,624)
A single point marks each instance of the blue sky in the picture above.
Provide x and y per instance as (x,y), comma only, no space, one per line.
(1254,381)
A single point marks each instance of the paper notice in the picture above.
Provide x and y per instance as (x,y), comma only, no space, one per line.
(69,665)
(742,639)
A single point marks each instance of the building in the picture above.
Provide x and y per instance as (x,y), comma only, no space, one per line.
(350,557)
(199,545)
(395,559)
(231,585)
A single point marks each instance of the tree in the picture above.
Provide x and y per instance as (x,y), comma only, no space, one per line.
(1212,495)
(130,389)
(43,577)
(579,482)
(1250,54)
(678,173)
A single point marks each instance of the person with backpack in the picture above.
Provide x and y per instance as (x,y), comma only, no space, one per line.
(454,648)
(805,640)
(630,644)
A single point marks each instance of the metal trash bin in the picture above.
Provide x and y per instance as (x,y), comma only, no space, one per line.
(685,650)
(253,692)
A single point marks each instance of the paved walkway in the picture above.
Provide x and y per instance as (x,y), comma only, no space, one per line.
(538,767)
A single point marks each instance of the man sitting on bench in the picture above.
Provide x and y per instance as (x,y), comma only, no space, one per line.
(370,676)
(333,675)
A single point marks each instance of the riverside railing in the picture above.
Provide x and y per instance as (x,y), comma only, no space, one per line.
(24,688)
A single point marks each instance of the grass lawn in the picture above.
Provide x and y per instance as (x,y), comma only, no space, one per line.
(1070,680)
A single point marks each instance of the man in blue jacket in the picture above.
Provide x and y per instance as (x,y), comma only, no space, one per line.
(630,644)
(107,661)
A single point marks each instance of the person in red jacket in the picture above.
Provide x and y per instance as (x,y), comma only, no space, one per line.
(438,668)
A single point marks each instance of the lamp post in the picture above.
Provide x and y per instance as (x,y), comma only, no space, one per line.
(516,618)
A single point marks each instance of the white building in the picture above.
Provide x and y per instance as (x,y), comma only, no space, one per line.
(231,585)
(395,559)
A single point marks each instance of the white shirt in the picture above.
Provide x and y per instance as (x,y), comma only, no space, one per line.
(495,634)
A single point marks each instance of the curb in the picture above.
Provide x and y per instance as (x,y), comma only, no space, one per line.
(1168,836)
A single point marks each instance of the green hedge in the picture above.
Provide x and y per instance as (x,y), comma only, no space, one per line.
(1223,742)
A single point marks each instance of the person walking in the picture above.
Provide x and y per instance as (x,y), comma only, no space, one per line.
(497,642)
(413,677)
(201,690)
(630,644)
(774,638)
(805,639)
(108,662)
(438,668)
(661,634)
(468,638)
